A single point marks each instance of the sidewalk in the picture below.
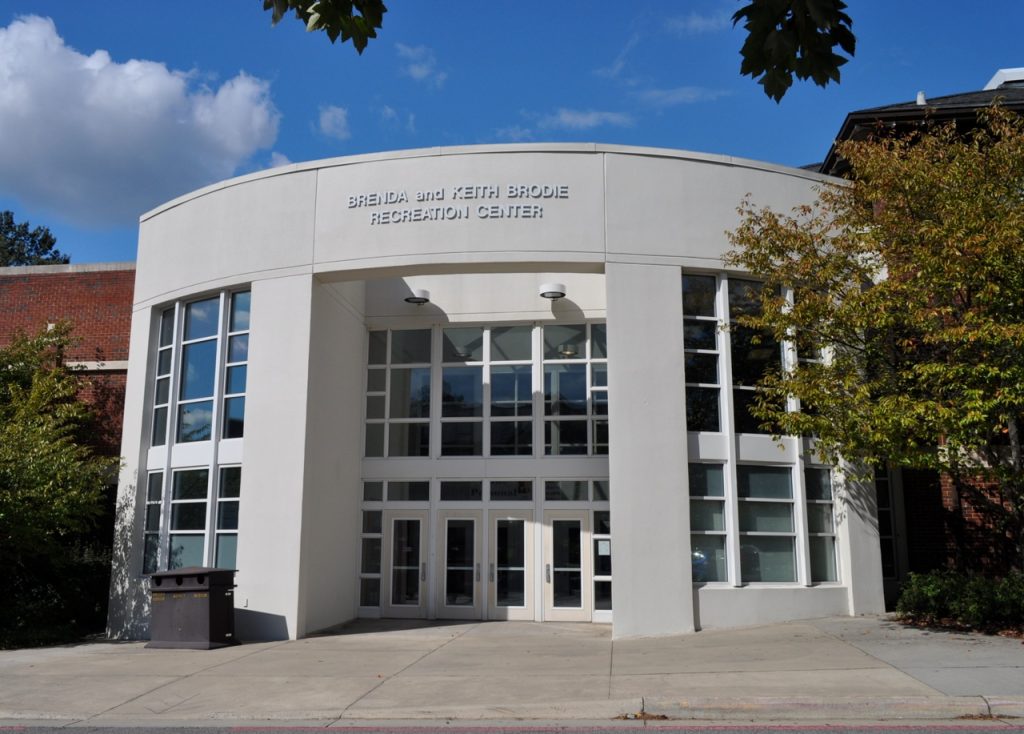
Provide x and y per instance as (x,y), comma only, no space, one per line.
(837,669)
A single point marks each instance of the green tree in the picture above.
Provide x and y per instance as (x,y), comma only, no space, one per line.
(53,489)
(910,278)
(20,245)
(785,38)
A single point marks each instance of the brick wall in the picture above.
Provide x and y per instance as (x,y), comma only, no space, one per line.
(97,300)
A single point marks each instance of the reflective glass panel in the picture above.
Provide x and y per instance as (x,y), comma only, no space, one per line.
(238,348)
(188,516)
(512,390)
(599,374)
(462,392)
(566,554)
(227,515)
(511,343)
(374,439)
(598,341)
(185,551)
(371,555)
(167,328)
(565,438)
(372,521)
(766,482)
(601,490)
(700,334)
(701,368)
(191,485)
(373,491)
(819,484)
(511,438)
(163,390)
(823,560)
(236,379)
(153,518)
(150,545)
(234,417)
(702,409)
(410,346)
(230,481)
(699,295)
(707,515)
(376,380)
(602,557)
(155,488)
(369,592)
(511,491)
(374,406)
(602,522)
(600,433)
(240,311)
(409,439)
(462,491)
(405,563)
(707,480)
(565,490)
(195,421)
(819,518)
(198,369)
(408,491)
(465,344)
(227,550)
(767,558)
(462,439)
(602,595)
(565,389)
(201,318)
(707,558)
(459,558)
(766,517)
(164,362)
(160,426)
(565,341)
(378,351)
(410,392)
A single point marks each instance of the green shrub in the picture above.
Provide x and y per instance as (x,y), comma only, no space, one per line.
(948,597)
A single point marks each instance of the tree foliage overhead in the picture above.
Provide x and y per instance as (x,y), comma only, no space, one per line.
(784,37)
(20,245)
(910,277)
(52,492)
(350,20)
(794,37)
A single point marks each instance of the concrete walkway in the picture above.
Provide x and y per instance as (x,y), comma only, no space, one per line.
(838,669)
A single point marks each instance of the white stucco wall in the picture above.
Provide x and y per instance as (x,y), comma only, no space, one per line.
(323,268)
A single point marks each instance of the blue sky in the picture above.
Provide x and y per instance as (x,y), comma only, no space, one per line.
(109,108)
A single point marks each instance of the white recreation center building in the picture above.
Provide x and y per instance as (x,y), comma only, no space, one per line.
(486,383)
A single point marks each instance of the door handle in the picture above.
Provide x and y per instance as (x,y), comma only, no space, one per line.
(547,572)
(491,577)
(423,571)
(478,572)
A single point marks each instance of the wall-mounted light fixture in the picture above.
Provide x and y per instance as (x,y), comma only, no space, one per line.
(567,351)
(552,291)
(419,296)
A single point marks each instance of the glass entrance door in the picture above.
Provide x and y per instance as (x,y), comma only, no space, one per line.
(510,574)
(459,592)
(568,591)
(405,563)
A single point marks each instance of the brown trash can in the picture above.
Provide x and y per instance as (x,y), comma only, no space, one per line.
(192,608)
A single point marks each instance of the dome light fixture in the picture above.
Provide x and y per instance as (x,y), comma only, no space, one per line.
(418,297)
(552,291)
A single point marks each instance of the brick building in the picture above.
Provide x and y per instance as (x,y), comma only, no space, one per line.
(97,300)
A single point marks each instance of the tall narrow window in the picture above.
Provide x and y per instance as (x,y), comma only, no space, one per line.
(236,358)
(599,394)
(707,523)
(701,353)
(575,389)
(372,537)
(151,528)
(602,560)
(190,488)
(511,377)
(753,352)
(767,535)
(462,391)
(162,393)
(398,393)
(229,492)
(821,527)
(198,370)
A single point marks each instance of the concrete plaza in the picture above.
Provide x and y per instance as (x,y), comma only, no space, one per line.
(836,669)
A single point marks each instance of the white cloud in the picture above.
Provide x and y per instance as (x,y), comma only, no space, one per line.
(388,114)
(514,133)
(612,71)
(695,23)
(278,159)
(420,63)
(585,119)
(679,95)
(334,122)
(99,142)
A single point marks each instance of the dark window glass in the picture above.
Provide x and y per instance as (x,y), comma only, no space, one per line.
(602,522)
(462,439)
(369,592)
(511,491)
(598,341)
(163,390)
(408,491)
(565,341)
(373,491)
(236,379)
(372,521)
(188,516)
(702,409)
(702,368)
(227,516)
(565,389)
(378,353)
(408,439)
(700,334)
(602,595)
(764,482)
(462,491)
(511,438)
(462,390)
(819,484)
(191,484)
(234,417)
(746,421)
(511,390)
(565,437)
(566,490)
(167,328)
(462,344)
(155,490)
(160,426)
(699,295)
(411,346)
(707,480)
(410,392)
(510,343)
(198,369)
(231,481)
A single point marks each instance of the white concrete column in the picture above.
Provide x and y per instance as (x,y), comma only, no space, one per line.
(128,616)
(650,513)
(267,600)
(860,554)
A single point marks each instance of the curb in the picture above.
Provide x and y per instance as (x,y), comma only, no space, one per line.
(798,708)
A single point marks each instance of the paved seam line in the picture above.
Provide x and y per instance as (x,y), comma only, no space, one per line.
(395,675)
(176,680)
(611,666)
(855,646)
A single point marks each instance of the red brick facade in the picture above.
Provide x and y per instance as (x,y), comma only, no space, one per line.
(97,300)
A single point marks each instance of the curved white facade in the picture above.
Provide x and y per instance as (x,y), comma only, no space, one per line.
(465,457)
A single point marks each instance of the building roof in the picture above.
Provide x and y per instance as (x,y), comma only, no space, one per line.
(904,116)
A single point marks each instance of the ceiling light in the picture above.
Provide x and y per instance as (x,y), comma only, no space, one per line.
(418,297)
(552,291)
